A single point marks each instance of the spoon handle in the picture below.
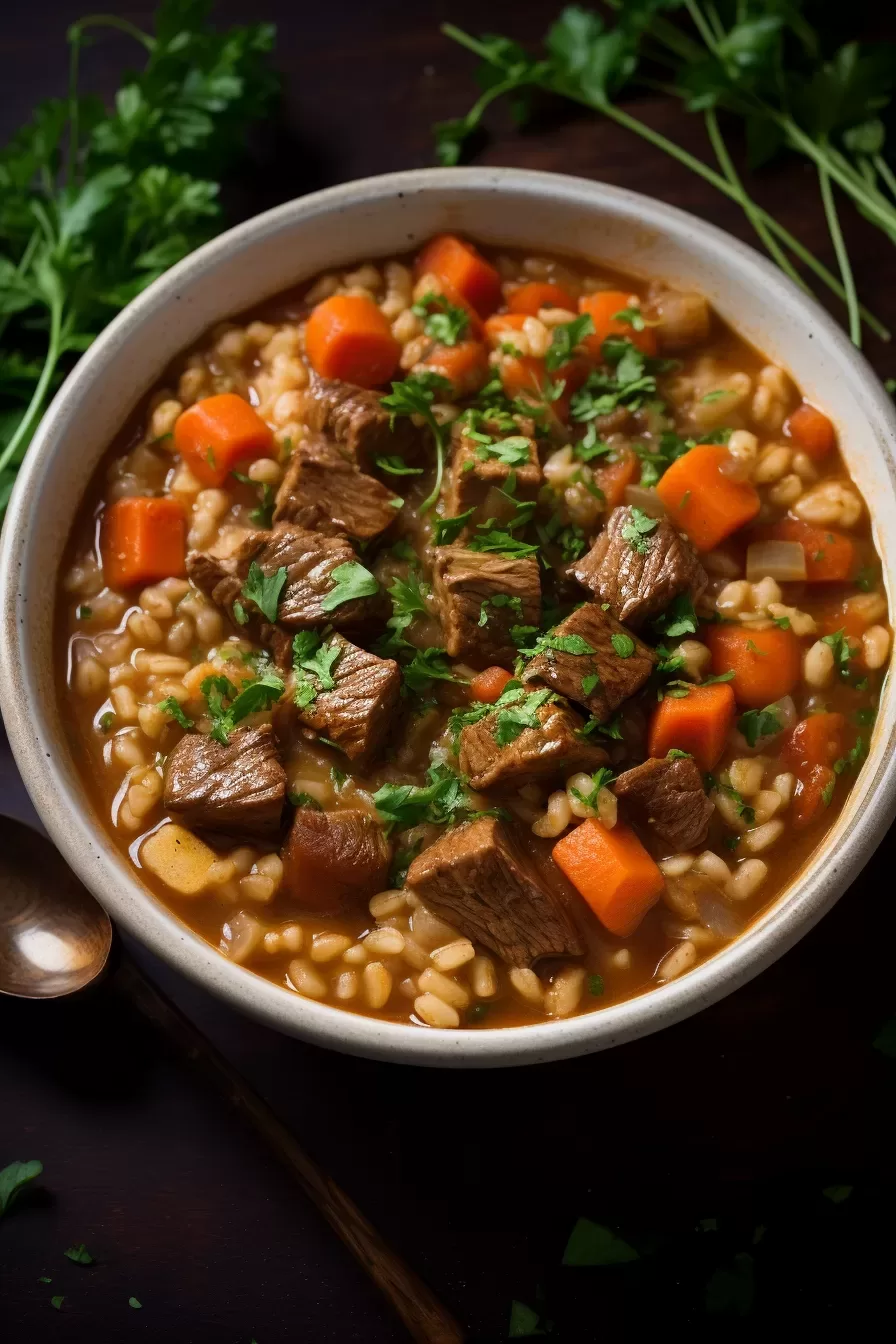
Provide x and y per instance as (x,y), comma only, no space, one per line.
(426,1319)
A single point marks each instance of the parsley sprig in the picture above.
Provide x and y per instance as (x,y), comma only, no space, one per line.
(227,706)
(442,321)
(415,395)
(314,660)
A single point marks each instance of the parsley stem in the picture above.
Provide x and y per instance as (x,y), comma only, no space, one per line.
(35,407)
(701,24)
(885,171)
(76,32)
(749,206)
(433,495)
(830,210)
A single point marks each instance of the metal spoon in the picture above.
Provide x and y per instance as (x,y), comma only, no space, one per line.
(55,939)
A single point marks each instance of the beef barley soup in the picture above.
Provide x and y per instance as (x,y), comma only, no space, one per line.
(472,639)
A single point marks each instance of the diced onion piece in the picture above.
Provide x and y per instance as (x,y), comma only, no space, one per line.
(648,501)
(179,858)
(781,560)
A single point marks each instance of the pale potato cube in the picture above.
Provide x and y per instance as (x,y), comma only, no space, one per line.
(179,858)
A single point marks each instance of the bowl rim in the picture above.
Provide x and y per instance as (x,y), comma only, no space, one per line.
(75,829)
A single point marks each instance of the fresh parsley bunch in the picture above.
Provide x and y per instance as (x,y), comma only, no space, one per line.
(96,203)
(761,61)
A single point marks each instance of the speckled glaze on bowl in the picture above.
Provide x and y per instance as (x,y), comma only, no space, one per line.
(347,224)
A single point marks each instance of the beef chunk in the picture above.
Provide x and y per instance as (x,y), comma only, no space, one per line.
(548,750)
(481,879)
(470,584)
(479,471)
(640,585)
(356,714)
(618,676)
(309,560)
(239,789)
(355,419)
(323,490)
(667,798)
(332,860)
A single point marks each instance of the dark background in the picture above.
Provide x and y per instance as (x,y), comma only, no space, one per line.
(743,1115)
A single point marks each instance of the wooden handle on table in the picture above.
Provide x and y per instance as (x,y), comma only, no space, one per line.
(426,1319)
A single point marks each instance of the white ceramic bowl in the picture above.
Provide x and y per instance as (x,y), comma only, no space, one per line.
(371,219)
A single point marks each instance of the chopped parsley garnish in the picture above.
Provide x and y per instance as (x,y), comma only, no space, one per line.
(637,530)
(13,1180)
(264,590)
(442,321)
(782,622)
(396,466)
(853,757)
(442,800)
(446,530)
(263,514)
(675,754)
(564,340)
(590,446)
(85,613)
(106,721)
(551,643)
(351,582)
(498,541)
(427,665)
(172,708)
(415,395)
(595,985)
(865,579)
(633,316)
(843,654)
(337,777)
(511,719)
(313,660)
(133,1302)
(716,395)
(589,683)
(514,451)
(601,779)
(56,1302)
(592,1244)
(240,615)
(746,813)
(759,723)
(655,459)
(408,602)
(866,716)
(402,862)
(570,540)
(622,643)
(257,695)
(79,1254)
(678,619)
(498,601)
(827,792)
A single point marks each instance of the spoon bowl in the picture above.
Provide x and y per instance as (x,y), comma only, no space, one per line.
(54,937)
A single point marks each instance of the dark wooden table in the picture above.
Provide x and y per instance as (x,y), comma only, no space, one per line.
(743,1115)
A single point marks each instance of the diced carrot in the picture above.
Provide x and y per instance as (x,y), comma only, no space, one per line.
(830,556)
(347,337)
(458,264)
(465,365)
(218,433)
(613,871)
(503,322)
(811,795)
(613,478)
(812,431)
(698,722)
(816,740)
(524,375)
(487,686)
(602,308)
(529,298)
(143,539)
(766,663)
(811,750)
(703,500)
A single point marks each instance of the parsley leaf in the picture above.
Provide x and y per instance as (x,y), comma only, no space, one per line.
(13,1180)
(79,1254)
(675,754)
(633,316)
(498,601)
(497,541)
(257,695)
(595,985)
(304,800)
(513,719)
(843,654)
(446,530)
(172,708)
(313,655)
(593,1244)
(601,779)
(442,800)
(678,619)
(638,528)
(415,395)
(759,723)
(514,451)
(442,321)
(564,340)
(264,590)
(352,581)
(427,665)
(623,644)
(589,446)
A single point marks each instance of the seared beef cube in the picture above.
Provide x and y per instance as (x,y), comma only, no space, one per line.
(479,470)
(481,879)
(617,665)
(239,789)
(553,749)
(639,584)
(666,797)
(309,560)
(334,860)
(323,490)
(482,597)
(356,714)
(355,418)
